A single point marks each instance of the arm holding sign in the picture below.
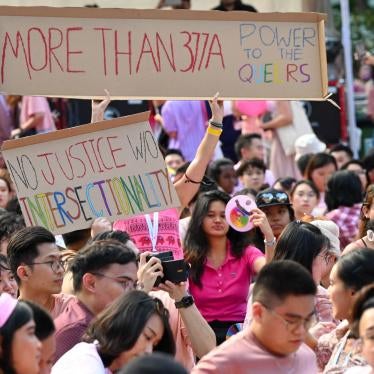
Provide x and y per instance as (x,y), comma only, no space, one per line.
(188,185)
(99,107)
(283,118)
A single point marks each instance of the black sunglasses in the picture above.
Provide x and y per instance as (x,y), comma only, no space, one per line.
(267,198)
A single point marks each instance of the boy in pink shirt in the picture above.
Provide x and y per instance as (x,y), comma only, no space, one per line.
(282,308)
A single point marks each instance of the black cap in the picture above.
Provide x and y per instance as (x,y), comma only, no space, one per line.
(272,197)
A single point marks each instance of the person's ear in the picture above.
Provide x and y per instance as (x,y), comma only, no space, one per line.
(257,311)
(365,211)
(89,282)
(23,272)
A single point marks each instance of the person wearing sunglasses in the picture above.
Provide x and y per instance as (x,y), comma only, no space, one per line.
(134,325)
(277,208)
(38,268)
(282,310)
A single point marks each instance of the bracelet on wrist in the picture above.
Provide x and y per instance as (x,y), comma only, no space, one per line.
(214,131)
(216,124)
(270,243)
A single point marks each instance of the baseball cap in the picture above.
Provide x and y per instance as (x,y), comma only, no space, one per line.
(271,197)
(308,143)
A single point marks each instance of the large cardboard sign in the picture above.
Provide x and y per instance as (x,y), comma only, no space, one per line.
(65,179)
(78,52)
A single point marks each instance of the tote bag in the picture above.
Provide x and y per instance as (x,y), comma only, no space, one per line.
(300,126)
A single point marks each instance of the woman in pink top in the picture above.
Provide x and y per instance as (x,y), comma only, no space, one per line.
(35,117)
(250,113)
(222,262)
(159,231)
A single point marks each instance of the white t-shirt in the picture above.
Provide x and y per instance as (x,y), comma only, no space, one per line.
(83,359)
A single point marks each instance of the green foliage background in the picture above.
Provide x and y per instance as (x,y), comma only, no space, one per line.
(362,22)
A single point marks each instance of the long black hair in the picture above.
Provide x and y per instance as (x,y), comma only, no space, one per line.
(343,189)
(21,315)
(301,242)
(196,243)
(119,326)
(355,268)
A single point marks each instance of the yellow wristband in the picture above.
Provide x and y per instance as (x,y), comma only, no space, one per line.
(214,131)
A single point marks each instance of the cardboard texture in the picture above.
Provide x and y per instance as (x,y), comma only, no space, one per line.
(78,52)
(66,179)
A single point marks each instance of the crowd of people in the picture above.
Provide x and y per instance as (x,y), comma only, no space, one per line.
(294,294)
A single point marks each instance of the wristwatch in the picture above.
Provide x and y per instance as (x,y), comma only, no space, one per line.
(185,302)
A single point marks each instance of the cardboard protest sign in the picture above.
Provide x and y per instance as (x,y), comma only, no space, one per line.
(65,179)
(77,52)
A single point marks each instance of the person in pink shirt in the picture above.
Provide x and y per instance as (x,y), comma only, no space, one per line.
(274,342)
(35,117)
(222,262)
(249,112)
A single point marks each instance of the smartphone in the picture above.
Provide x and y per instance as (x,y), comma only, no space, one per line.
(175,271)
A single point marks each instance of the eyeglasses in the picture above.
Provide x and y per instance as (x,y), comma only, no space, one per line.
(266,198)
(55,265)
(125,282)
(295,323)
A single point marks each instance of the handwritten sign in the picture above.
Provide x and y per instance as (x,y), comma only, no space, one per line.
(65,179)
(77,52)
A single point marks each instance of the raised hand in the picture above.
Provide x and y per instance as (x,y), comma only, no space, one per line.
(98,108)
(216,107)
